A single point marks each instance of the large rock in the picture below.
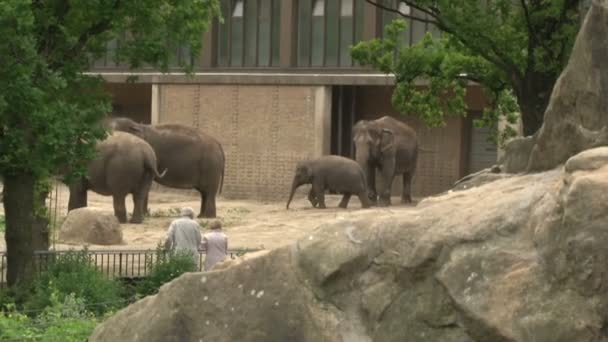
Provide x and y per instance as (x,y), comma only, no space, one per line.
(520,259)
(86,225)
(577,115)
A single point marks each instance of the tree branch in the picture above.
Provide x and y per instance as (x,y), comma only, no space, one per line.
(96,29)
(531,32)
(405,15)
(498,58)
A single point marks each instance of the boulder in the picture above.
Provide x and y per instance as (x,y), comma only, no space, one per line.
(577,115)
(85,225)
(519,259)
(522,258)
(479,178)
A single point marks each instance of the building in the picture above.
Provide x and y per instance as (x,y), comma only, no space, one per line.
(275,84)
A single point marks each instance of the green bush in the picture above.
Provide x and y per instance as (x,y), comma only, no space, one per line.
(2,224)
(66,320)
(73,273)
(168,266)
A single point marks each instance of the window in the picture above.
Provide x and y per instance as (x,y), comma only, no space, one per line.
(416,29)
(318,32)
(346,31)
(326,30)
(236,37)
(250,33)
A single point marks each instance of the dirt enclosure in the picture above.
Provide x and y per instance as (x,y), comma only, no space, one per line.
(248,224)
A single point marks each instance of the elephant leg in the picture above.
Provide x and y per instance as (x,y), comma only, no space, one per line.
(363,197)
(145,205)
(78,195)
(140,199)
(406,195)
(344,201)
(120,209)
(385,192)
(371,185)
(138,204)
(312,198)
(208,209)
(319,192)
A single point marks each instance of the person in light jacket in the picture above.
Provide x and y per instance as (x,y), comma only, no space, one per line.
(184,235)
(215,243)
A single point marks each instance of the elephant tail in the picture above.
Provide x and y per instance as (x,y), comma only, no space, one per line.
(151,164)
(160,175)
(223,168)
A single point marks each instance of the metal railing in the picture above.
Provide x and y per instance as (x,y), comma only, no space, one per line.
(112,263)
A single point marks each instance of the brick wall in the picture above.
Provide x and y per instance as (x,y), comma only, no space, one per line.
(264,130)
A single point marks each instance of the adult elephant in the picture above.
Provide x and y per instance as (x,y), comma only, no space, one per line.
(391,147)
(125,164)
(193,159)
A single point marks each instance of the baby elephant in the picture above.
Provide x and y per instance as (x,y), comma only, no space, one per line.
(335,173)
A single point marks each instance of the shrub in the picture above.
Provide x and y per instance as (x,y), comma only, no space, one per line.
(168,266)
(74,273)
(2,224)
(66,320)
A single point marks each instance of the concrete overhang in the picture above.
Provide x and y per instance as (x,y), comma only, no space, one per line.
(268,78)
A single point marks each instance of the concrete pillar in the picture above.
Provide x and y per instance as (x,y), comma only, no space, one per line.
(155,110)
(322,121)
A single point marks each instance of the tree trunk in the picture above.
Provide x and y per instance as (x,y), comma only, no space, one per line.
(531,117)
(19,211)
(533,98)
(40,226)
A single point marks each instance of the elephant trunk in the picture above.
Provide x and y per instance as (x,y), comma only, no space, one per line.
(294,186)
(362,156)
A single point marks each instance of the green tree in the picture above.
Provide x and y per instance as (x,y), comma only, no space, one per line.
(51,109)
(514,49)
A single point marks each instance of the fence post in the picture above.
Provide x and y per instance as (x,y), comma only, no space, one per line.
(120,264)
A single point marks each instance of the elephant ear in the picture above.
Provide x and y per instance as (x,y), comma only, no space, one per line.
(308,169)
(387,140)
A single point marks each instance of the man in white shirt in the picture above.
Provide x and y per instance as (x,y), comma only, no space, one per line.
(184,234)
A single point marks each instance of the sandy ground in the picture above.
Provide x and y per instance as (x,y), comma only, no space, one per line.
(248,224)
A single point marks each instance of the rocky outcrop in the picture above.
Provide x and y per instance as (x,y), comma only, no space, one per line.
(520,259)
(91,226)
(479,178)
(577,116)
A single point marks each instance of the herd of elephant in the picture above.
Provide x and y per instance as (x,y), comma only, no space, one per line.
(178,156)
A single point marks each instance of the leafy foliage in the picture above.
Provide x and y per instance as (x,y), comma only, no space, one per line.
(51,110)
(66,320)
(2,223)
(73,273)
(511,48)
(167,266)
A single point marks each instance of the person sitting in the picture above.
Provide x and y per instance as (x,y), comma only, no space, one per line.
(215,243)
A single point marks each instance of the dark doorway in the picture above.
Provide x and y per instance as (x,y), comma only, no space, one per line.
(343,116)
(132,100)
